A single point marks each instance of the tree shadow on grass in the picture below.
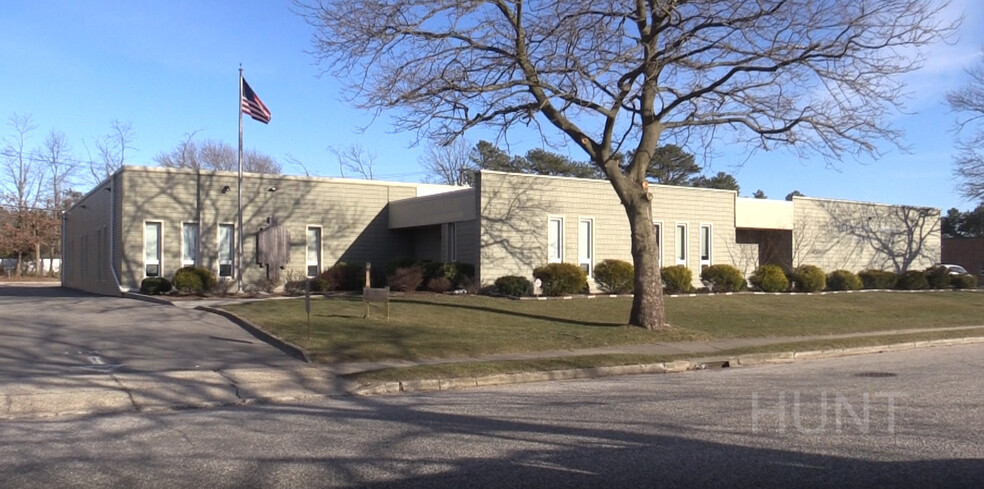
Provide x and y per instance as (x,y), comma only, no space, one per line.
(513,313)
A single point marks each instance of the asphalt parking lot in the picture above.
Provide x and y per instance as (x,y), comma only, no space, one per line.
(48,330)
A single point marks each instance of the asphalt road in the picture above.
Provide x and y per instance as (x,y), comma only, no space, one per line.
(910,419)
(48,330)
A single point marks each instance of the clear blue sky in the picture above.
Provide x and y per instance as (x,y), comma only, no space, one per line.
(170,68)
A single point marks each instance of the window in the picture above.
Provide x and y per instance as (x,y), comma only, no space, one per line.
(313,251)
(705,245)
(681,244)
(585,244)
(452,244)
(189,244)
(658,230)
(227,249)
(555,240)
(152,249)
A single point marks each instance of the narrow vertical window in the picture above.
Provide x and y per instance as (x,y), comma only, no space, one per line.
(705,245)
(555,240)
(152,249)
(189,244)
(313,251)
(681,244)
(452,243)
(227,249)
(585,244)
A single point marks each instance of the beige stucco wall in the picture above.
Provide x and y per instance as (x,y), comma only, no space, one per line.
(855,236)
(515,211)
(763,213)
(351,213)
(433,209)
(88,227)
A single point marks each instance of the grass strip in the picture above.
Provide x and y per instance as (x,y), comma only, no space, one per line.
(478,368)
(430,326)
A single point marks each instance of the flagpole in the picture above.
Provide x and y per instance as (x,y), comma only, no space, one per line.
(239,190)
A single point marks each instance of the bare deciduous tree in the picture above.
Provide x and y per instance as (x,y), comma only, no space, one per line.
(448,163)
(56,154)
(24,175)
(356,159)
(215,155)
(815,75)
(112,150)
(969,100)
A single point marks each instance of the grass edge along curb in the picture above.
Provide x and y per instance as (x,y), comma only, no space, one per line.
(370,388)
(261,334)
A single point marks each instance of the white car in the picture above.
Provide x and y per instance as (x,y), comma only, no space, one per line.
(955,269)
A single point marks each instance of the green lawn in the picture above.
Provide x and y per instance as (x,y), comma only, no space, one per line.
(425,326)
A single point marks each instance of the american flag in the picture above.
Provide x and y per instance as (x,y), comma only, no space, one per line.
(253,106)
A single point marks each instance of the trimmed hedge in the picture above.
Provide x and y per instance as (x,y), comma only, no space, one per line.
(615,276)
(938,277)
(194,280)
(677,279)
(513,285)
(843,280)
(561,279)
(808,278)
(770,278)
(156,286)
(878,279)
(724,278)
(913,280)
(963,281)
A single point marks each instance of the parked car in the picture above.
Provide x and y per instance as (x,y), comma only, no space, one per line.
(955,269)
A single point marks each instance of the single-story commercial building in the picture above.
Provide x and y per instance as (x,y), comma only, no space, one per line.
(966,252)
(148,221)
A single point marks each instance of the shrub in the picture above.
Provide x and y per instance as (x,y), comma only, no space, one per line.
(469,285)
(676,279)
(913,280)
(439,285)
(455,272)
(878,279)
(155,286)
(938,277)
(723,278)
(513,285)
(843,280)
(402,262)
(194,280)
(615,276)
(406,279)
(463,271)
(561,279)
(963,281)
(770,278)
(343,276)
(296,287)
(808,278)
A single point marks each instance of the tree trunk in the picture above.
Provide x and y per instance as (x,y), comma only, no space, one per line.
(38,264)
(647,303)
(20,263)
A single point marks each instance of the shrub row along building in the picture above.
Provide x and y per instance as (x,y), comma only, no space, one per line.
(147,221)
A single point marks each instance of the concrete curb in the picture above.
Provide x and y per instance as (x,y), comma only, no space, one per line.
(274,340)
(431,385)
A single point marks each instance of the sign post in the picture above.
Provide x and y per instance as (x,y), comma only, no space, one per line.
(307,307)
